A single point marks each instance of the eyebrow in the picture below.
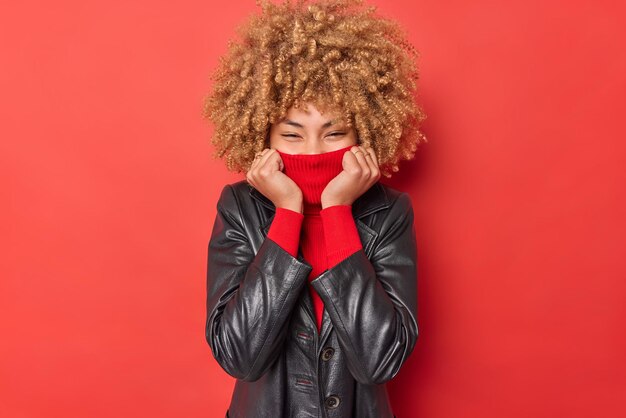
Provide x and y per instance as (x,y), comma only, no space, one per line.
(296,124)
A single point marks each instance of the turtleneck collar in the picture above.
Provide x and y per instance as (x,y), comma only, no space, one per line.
(312,172)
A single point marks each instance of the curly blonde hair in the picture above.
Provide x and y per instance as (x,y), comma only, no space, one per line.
(336,54)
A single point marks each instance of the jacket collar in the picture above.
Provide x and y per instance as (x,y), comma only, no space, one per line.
(374,199)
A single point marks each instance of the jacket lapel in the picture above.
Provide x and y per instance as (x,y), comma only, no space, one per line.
(373,200)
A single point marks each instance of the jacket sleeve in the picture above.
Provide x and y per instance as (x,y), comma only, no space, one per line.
(373,302)
(250,296)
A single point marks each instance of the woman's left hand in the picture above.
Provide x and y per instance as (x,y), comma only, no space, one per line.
(360,172)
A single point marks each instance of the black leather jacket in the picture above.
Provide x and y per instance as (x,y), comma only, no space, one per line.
(260,322)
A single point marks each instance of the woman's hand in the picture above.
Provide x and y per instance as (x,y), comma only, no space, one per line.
(266,176)
(360,172)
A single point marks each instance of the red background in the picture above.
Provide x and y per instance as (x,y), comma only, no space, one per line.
(108,198)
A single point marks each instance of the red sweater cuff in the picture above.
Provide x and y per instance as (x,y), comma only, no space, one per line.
(285,229)
(340,233)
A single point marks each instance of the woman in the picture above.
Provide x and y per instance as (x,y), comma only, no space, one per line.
(312,262)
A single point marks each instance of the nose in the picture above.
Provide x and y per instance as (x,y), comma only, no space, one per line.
(313,148)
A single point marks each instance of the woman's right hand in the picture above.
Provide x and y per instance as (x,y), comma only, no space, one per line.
(266,176)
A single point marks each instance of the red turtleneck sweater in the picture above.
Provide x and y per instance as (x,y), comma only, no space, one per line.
(326,236)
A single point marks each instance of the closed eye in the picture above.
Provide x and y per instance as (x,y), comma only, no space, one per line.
(296,136)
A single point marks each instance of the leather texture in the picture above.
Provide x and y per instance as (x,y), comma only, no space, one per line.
(260,324)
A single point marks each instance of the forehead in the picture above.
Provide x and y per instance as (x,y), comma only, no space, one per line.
(312,114)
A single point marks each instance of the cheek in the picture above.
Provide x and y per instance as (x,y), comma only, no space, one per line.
(273,139)
(279,144)
(351,141)
(354,137)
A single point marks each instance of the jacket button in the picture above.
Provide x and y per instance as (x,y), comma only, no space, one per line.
(332,401)
(327,353)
